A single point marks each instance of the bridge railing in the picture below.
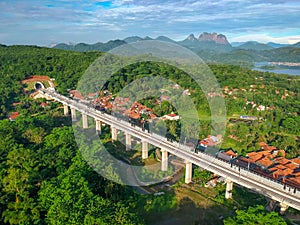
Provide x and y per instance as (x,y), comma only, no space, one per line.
(210,159)
(252,174)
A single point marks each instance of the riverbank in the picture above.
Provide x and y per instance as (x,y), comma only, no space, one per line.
(278,67)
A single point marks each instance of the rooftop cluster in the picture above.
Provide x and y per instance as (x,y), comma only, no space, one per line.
(270,162)
(120,105)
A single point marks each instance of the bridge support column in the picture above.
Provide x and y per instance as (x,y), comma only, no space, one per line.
(271,205)
(229,187)
(84,121)
(113,134)
(98,126)
(128,141)
(145,148)
(283,208)
(164,160)
(66,110)
(73,114)
(188,172)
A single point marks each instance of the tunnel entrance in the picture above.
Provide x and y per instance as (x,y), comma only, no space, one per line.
(39,85)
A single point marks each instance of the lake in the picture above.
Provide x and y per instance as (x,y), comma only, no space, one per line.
(279,69)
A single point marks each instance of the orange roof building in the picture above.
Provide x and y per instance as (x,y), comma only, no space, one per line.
(76,94)
(231,153)
(266,162)
(292,166)
(137,109)
(293,180)
(44,104)
(266,147)
(254,156)
(282,173)
(297,174)
(281,160)
(296,160)
(278,153)
(14,116)
(262,144)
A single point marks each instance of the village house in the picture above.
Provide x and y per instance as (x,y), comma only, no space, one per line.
(171,116)
(13,116)
(76,95)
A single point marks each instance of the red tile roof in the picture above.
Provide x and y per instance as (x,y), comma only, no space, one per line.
(265,153)
(277,152)
(13,116)
(272,169)
(231,153)
(92,95)
(281,160)
(279,173)
(262,144)
(76,94)
(254,156)
(136,109)
(266,147)
(297,174)
(44,104)
(293,180)
(282,167)
(292,166)
(248,160)
(296,160)
(265,162)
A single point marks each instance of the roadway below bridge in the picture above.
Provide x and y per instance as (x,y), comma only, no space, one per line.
(285,195)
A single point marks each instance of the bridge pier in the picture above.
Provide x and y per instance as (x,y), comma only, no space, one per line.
(229,187)
(113,134)
(188,172)
(66,110)
(164,160)
(98,126)
(73,114)
(271,204)
(128,141)
(145,148)
(84,121)
(283,208)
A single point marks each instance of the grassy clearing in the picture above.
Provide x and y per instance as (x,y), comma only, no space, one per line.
(194,207)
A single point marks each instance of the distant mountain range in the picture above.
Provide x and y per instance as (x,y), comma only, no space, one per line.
(269,44)
(211,47)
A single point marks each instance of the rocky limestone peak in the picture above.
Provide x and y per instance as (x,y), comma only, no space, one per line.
(217,38)
(191,37)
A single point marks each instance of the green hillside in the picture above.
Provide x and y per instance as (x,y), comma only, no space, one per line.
(44,178)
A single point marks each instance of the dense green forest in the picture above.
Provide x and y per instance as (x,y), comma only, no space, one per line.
(43,176)
(244,91)
(45,180)
(278,126)
(19,62)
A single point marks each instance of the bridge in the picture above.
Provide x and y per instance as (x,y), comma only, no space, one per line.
(285,195)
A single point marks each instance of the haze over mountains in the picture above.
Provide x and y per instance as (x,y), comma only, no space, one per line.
(212,47)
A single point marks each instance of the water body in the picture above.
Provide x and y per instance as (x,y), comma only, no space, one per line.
(279,69)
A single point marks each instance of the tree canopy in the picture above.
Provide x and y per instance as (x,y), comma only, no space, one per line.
(255,216)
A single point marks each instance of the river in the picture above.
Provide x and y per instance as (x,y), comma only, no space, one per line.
(279,69)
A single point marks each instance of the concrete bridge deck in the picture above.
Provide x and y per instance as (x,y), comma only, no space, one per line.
(285,195)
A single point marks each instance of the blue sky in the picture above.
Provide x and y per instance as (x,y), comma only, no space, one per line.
(44,22)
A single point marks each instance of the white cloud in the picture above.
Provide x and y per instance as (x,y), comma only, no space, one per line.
(239,19)
(264,38)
